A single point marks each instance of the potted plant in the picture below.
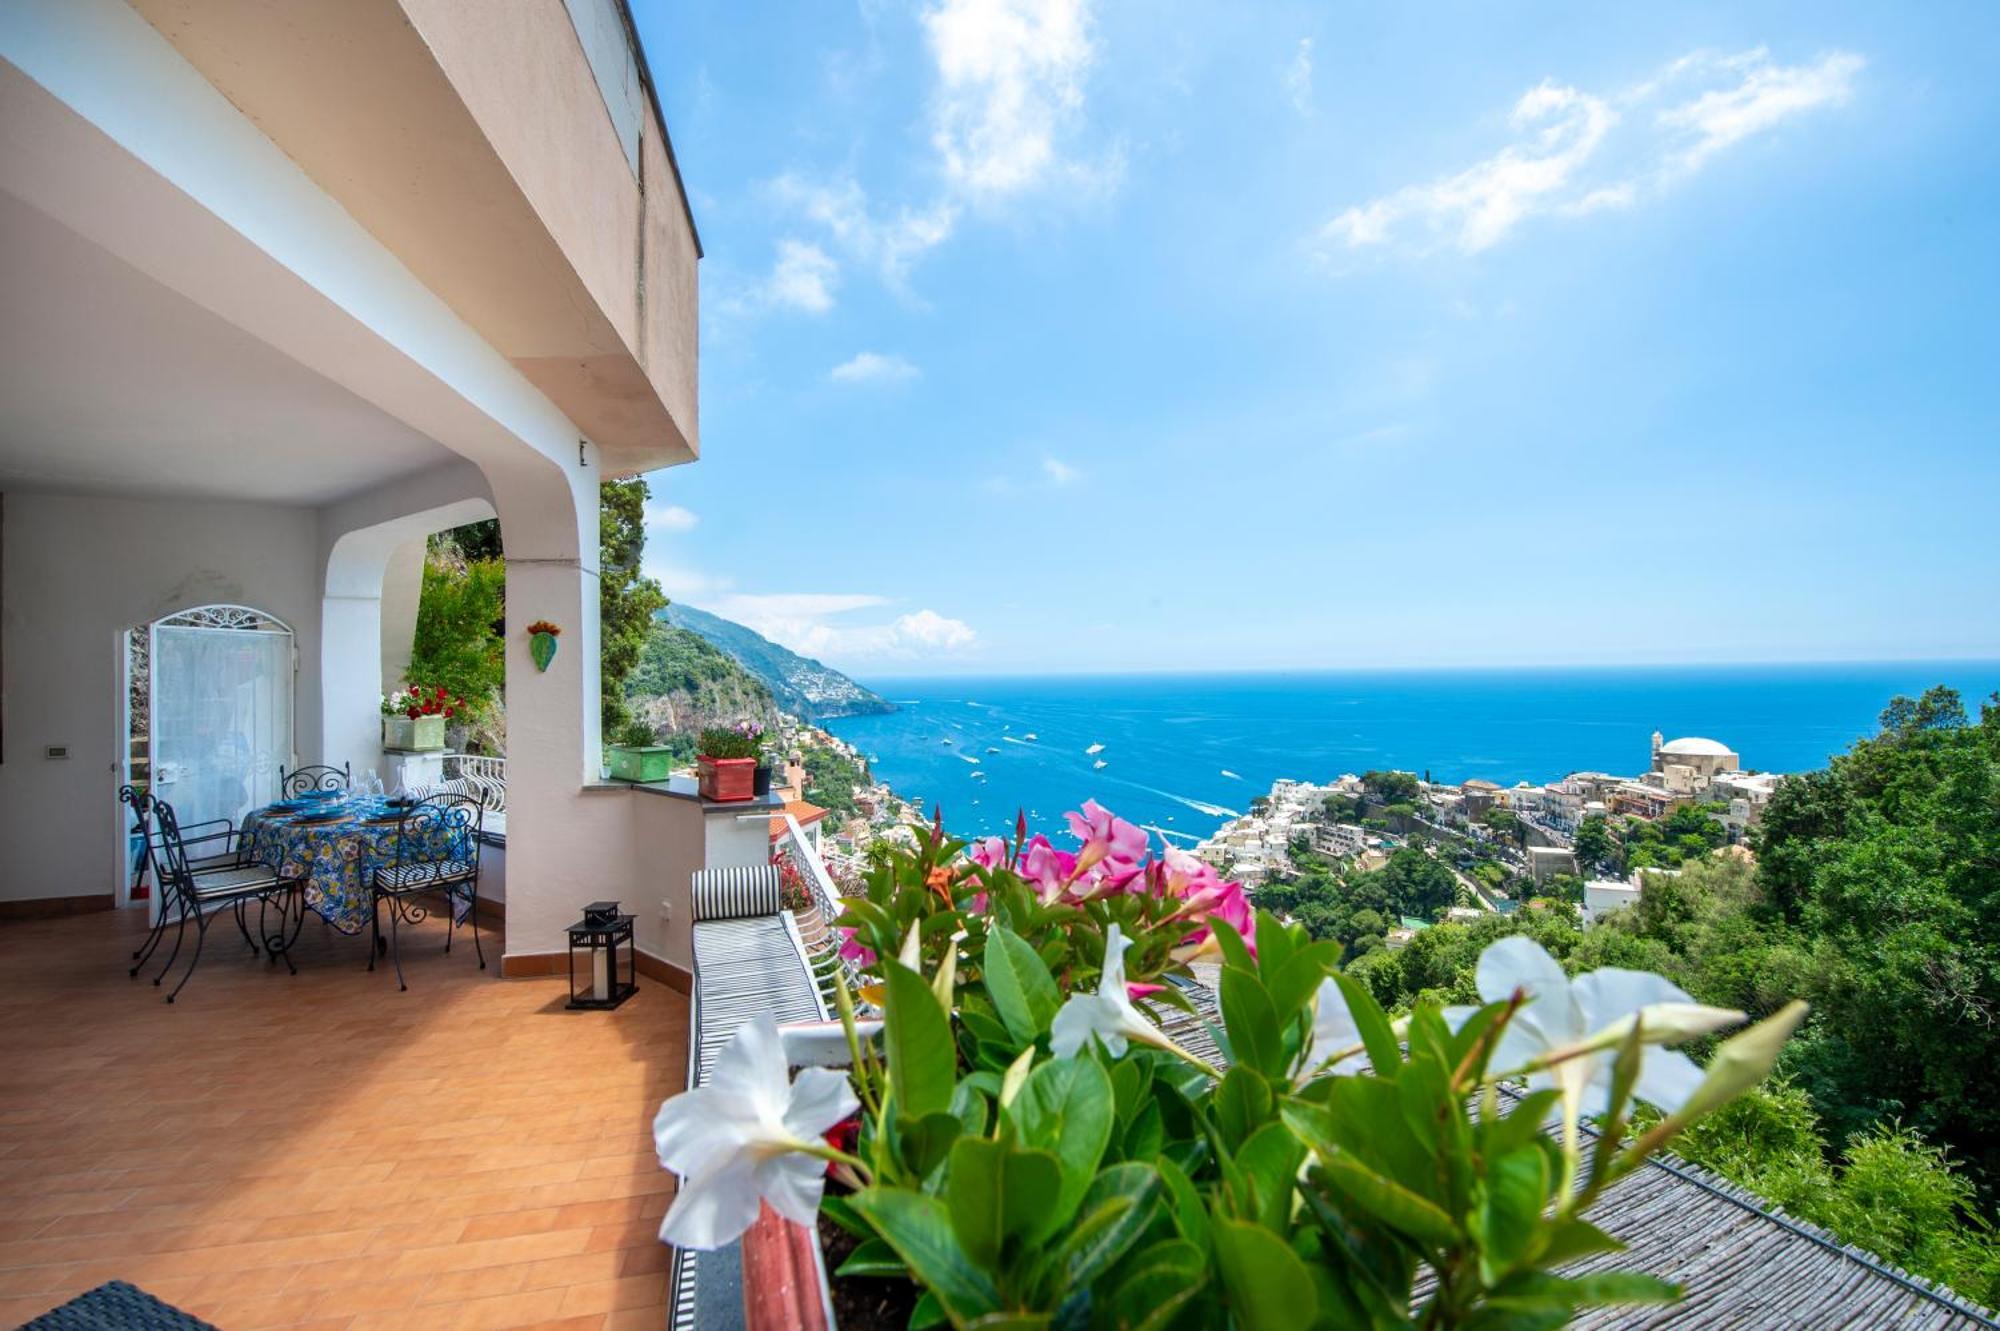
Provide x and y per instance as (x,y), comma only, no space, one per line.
(727,761)
(413,718)
(1038,1122)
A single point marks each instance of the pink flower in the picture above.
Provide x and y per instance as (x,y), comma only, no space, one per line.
(989,853)
(1227,902)
(1105,836)
(1045,868)
(855,951)
(1135,992)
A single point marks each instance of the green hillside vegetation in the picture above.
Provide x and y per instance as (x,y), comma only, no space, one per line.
(681,684)
(802,686)
(1876,896)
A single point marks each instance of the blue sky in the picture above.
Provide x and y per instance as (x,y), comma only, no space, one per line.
(1048,335)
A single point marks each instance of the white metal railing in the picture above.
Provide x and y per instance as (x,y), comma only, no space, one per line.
(801,869)
(472,772)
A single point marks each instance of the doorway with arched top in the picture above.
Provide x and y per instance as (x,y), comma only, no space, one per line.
(208,718)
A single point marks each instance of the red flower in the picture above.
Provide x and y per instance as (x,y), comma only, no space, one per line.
(447,711)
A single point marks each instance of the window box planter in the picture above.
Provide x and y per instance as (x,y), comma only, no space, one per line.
(727,780)
(420,734)
(641,762)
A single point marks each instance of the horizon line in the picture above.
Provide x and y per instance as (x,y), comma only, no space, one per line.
(1494,668)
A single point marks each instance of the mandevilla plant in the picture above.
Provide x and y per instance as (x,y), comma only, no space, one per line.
(1033,1149)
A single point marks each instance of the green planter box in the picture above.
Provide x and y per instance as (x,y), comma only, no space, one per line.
(423,734)
(641,762)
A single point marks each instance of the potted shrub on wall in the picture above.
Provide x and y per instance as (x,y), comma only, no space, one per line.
(413,719)
(727,761)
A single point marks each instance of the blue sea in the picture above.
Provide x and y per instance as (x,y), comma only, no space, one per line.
(1183,754)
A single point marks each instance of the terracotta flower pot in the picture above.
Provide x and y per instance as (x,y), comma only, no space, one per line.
(727,780)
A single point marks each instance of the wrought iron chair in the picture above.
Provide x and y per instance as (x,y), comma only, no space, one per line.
(437,851)
(212,845)
(314,779)
(195,892)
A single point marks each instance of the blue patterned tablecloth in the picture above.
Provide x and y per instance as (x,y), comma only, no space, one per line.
(338,859)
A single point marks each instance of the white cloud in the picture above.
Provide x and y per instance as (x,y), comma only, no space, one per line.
(1010,77)
(1577,153)
(932,631)
(1766,95)
(1299,78)
(888,243)
(802,279)
(669,518)
(1060,472)
(821,625)
(1008,97)
(871,367)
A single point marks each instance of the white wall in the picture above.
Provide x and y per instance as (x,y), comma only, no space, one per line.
(78,572)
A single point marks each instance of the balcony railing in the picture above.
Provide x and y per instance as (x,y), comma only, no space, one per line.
(476,774)
(809,892)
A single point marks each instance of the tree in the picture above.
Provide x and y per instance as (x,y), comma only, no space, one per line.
(1391,787)
(459,643)
(1594,848)
(627,601)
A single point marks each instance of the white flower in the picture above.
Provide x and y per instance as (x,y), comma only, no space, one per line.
(741,1137)
(1108,1014)
(1591,1014)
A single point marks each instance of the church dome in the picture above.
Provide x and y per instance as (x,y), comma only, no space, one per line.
(1694,746)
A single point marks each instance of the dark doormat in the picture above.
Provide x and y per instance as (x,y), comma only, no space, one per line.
(115,1306)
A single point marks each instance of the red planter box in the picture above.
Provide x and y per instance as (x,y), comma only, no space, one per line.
(727,780)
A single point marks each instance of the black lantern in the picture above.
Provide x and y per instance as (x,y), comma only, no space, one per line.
(607,978)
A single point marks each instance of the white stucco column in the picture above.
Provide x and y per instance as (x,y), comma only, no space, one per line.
(402,588)
(564,847)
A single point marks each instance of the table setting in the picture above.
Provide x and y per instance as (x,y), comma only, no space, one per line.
(335,840)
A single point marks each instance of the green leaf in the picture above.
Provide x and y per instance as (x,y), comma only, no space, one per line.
(1507,1217)
(873,1258)
(1511,1131)
(928,1313)
(1573,1239)
(1270,1160)
(1023,991)
(1385,1056)
(1120,1206)
(923,1143)
(1157,1283)
(919,1228)
(1293,985)
(917,1038)
(1190,1216)
(1269,1287)
(1242,1104)
(994,1191)
(1274,944)
(1065,1107)
(1146,1135)
(1251,1022)
(1388,1202)
(987,1030)
(1533,1291)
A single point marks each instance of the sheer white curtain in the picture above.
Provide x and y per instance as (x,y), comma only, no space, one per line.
(221,719)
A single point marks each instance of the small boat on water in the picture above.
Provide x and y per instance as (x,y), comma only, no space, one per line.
(945,740)
(1099,763)
(993,748)
(1094,750)
(1031,735)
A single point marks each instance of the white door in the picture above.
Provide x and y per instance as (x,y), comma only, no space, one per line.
(221,713)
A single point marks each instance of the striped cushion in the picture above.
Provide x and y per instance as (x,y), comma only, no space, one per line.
(403,877)
(736,893)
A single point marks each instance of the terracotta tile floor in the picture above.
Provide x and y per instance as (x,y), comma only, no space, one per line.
(321,1150)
